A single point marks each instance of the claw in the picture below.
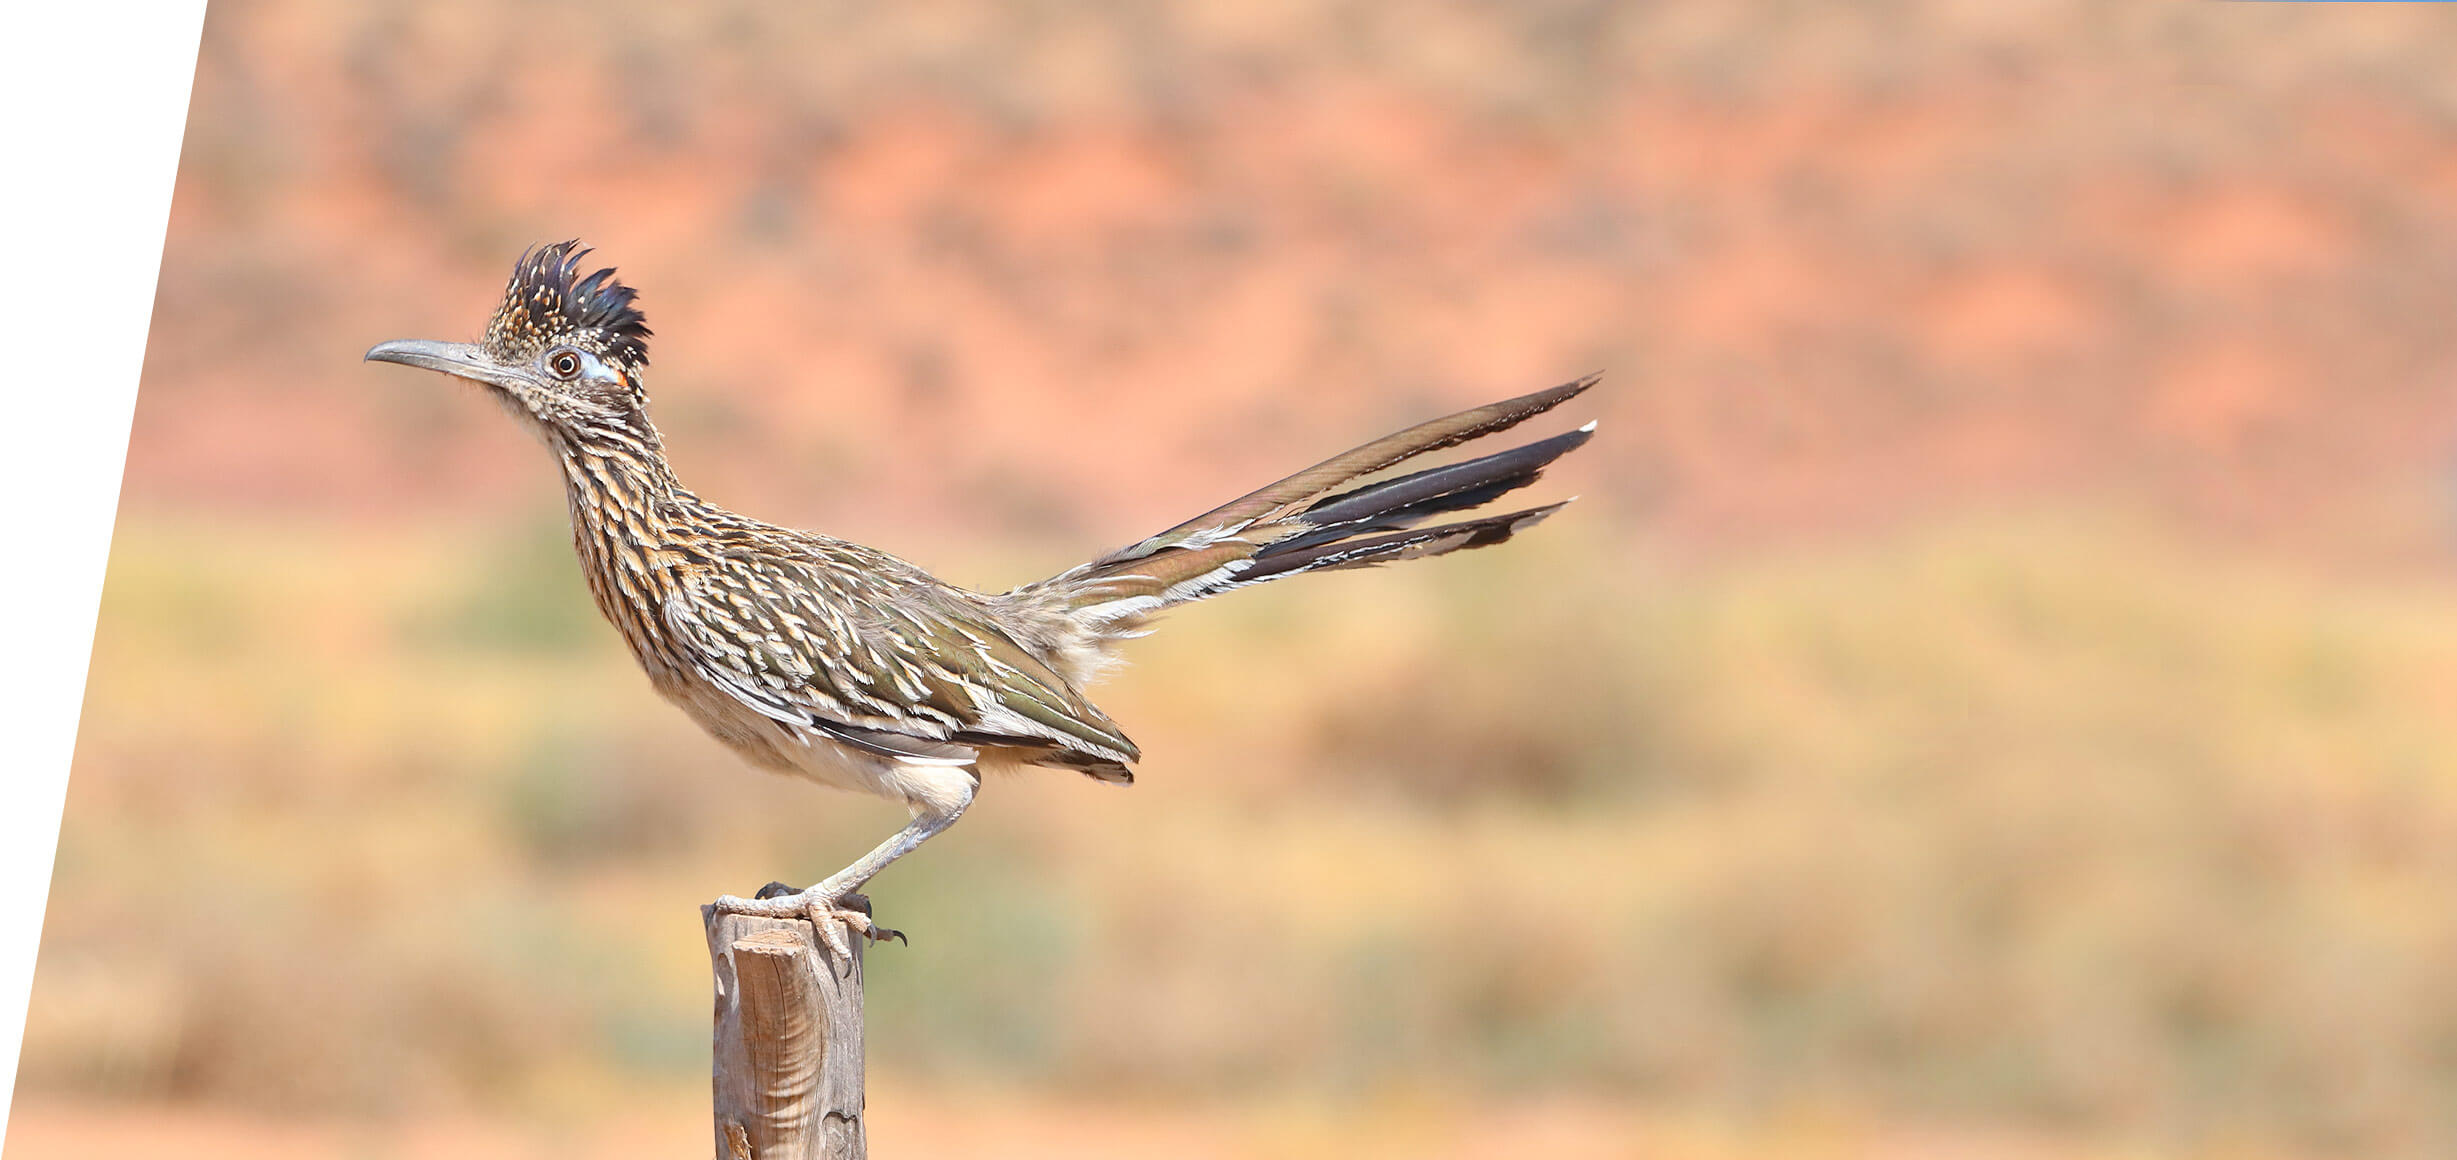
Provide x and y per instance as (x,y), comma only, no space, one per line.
(836,918)
(860,903)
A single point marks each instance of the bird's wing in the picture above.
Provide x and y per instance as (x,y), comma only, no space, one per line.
(882,659)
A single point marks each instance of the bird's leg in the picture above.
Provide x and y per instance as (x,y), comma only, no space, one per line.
(829,905)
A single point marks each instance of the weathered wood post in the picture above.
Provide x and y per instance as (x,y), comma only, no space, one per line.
(787,1071)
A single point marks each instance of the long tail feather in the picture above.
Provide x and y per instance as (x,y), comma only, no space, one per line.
(1304,524)
(1401,502)
(1279,498)
(1365,551)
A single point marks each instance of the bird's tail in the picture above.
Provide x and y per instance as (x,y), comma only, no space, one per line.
(1321,518)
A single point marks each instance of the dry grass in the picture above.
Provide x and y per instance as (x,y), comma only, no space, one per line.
(911,1119)
(2050,827)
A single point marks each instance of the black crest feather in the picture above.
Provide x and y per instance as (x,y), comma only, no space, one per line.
(549,301)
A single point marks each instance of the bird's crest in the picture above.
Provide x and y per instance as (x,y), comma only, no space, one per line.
(549,302)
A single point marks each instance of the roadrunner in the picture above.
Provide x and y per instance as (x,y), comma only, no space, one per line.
(841,663)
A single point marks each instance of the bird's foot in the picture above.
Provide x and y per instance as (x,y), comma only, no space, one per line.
(839,913)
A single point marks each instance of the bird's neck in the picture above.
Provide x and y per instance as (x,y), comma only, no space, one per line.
(626,506)
(619,486)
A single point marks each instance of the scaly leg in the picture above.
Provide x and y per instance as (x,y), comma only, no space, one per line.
(825,904)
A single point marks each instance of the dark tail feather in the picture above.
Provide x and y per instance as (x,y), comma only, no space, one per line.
(1402,502)
(1298,524)
(1366,551)
(1269,503)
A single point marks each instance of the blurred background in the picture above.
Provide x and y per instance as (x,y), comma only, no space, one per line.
(1998,696)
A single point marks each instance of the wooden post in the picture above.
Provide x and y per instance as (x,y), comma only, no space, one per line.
(787,1072)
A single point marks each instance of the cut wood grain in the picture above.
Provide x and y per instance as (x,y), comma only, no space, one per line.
(787,1064)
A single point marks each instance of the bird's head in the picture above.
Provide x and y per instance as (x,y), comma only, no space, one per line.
(563,350)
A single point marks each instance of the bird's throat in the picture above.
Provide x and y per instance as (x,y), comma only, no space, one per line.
(624,502)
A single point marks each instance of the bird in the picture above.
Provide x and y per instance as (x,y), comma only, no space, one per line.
(819,657)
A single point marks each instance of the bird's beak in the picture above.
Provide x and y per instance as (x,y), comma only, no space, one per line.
(453,358)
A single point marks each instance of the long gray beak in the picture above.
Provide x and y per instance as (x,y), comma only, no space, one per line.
(452,358)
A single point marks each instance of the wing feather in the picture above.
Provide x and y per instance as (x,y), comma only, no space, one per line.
(912,670)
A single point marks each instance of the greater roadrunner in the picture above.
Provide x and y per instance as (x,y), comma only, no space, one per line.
(844,664)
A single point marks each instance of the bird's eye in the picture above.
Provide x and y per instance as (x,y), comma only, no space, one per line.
(564,364)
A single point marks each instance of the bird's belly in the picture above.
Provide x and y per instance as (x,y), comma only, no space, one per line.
(775,746)
(781,748)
